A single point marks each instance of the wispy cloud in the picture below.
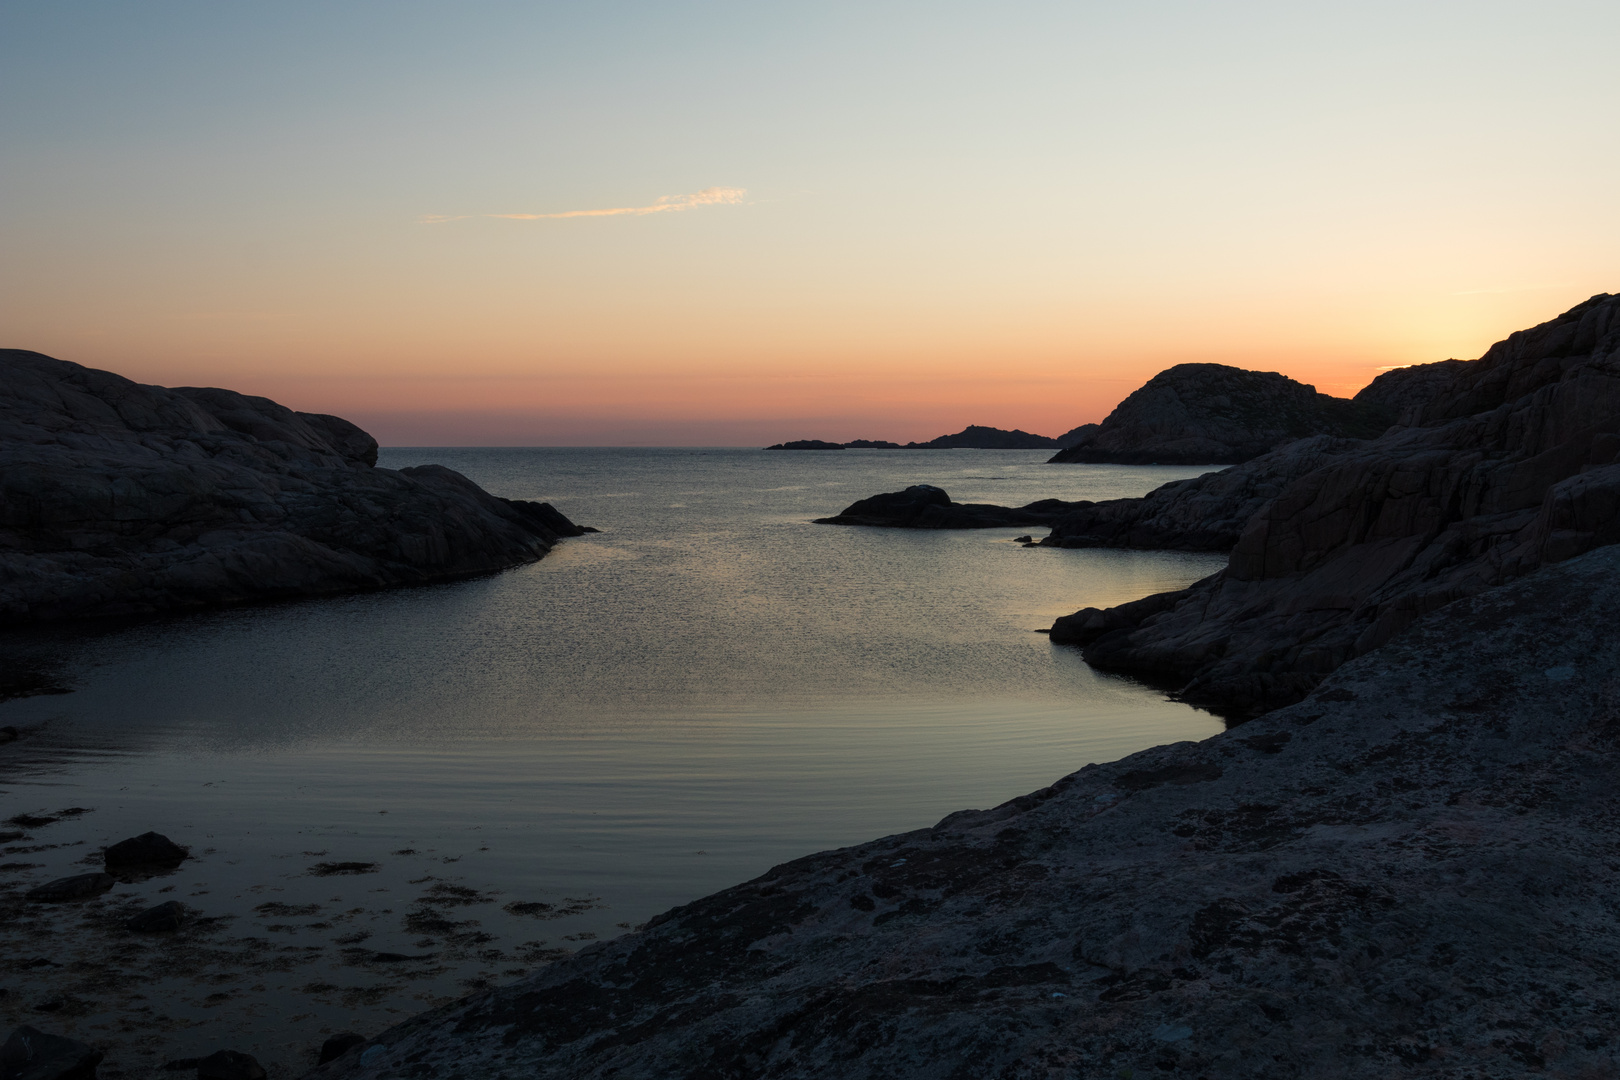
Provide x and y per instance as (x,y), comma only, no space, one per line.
(715,196)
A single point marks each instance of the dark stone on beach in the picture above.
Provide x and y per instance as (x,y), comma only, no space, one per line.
(340,1044)
(1213,414)
(77,887)
(229,1065)
(31,1054)
(155,920)
(118,498)
(923,506)
(147,849)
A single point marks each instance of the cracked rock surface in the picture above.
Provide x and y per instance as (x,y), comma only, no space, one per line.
(1412,872)
(118,498)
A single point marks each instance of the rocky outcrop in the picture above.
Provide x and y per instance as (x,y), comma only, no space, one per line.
(118,498)
(1509,462)
(923,506)
(1212,414)
(1408,874)
(1205,513)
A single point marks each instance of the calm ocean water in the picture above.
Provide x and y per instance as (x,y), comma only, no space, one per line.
(708,687)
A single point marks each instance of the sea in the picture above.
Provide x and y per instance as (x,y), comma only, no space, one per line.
(546,757)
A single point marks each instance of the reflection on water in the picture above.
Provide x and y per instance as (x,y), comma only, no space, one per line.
(708,687)
(721,668)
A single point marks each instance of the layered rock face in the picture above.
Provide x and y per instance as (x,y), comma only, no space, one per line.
(923,506)
(118,498)
(1409,874)
(1508,462)
(1197,414)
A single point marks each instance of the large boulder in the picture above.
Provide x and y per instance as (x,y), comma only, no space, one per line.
(150,849)
(118,498)
(1213,414)
(1514,463)
(1409,874)
(31,1054)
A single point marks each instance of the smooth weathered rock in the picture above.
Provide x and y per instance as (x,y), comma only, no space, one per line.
(118,498)
(77,887)
(340,1044)
(1212,414)
(923,506)
(161,918)
(230,1065)
(31,1054)
(147,849)
(1205,513)
(1363,540)
(1410,873)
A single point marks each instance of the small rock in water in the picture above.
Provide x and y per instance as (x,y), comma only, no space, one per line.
(147,849)
(78,887)
(167,916)
(1025,539)
(340,1044)
(229,1065)
(31,1054)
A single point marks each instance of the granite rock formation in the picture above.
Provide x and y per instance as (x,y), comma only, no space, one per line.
(1212,414)
(1504,464)
(1408,874)
(923,506)
(118,498)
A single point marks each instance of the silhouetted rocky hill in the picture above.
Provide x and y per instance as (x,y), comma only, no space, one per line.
(1212,414)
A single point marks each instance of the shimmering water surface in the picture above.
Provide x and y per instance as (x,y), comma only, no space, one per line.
(709,686)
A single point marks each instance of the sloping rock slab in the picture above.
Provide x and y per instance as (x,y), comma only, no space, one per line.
(1409,874)
(923,506)
(1363,540)
(118,498)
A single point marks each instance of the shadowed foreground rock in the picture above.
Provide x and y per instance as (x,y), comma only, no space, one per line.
(1409,874)
(1500,465)
(118,498)
(923,506)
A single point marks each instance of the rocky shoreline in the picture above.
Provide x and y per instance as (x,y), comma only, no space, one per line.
(1405,874)
(118,498)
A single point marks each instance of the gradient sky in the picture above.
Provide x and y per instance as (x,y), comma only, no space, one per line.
(834,220)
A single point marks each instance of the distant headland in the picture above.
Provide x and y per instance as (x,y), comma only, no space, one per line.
(972,437)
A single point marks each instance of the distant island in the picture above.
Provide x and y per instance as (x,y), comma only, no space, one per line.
(972,437)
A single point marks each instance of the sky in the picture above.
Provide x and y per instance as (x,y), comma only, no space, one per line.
(682,223)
